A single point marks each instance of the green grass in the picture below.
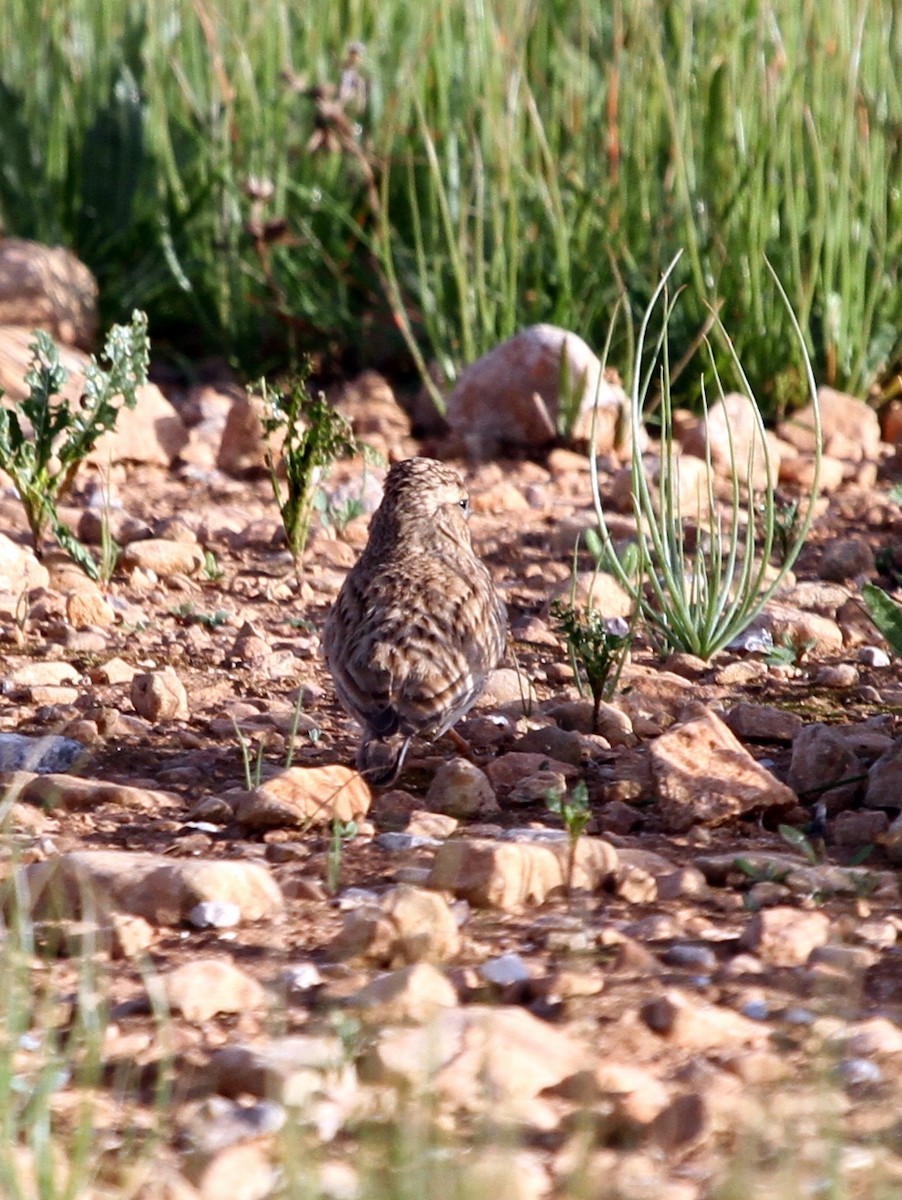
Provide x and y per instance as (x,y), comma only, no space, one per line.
(529,161)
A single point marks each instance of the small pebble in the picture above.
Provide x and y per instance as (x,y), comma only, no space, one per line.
(214,914)
(690,956)
(756,1010)
(858,1071)
(505,970)
(873,656)
(395,842)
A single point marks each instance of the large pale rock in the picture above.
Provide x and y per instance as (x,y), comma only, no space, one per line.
(702,773)
(477,1056)
(733,435)
(508,875)
(509,397)
(821,758)
(73,793)
(376,417)
(850,427)
(20,571)
(785,937)
(163,557)
(242,447)
(408,925)
(206,986)
(160,696)
(47,287)
(460,789)
(809,632)
(411,995)
(695,1025)
(290,1070)
(301,795)
(151,433)
(162,890)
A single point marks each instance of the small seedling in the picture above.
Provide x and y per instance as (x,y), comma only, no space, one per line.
(787,652)
(786,516)
(45,437)
(800,841)
(342,832)
(314,436)
(212,572)
(337,516)
(253,764)
(597,654)
(189,615)
(573,808)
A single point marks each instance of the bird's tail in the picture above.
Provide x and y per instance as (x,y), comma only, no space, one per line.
(380,761)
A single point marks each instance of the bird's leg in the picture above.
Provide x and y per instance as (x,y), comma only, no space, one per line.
(461,744)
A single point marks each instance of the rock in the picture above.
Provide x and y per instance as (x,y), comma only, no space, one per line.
(597,590)
(411,995)
(151,433)
(160,696)
(785,937)
(798,472)
(884,786)
(613,724)
(376,417)
(702,774)
(73,793)
(300,795)
(538,788)
(160,889)
(409,925)
(506,771)
(460,789)
(237,1173)
(509,397)
(691,482)
(207,986)
(845,558)
(40,674)
(561,744)
(695,1025)
(837,675)
(850,428)
(43,755)
(44,287)
(859,828)
(476,1056)
(505,686)
(732,433)
(241,450)
(20,571)
(809,632)
(163,557)
(505,971)
(822,756)
(88,607)
(510,874)
(763,722)
(638,1094)
(289,1070)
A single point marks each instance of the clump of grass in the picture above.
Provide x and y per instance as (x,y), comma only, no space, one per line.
(45,437)
(698,598)
(886,613)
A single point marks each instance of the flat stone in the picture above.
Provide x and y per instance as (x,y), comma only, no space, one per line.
(460,789)
(411,995)
(304,795)
(408,925)
(785,937)
(207,986)
(508,875)
(160,889)
(76,794)
(43,755)
(703,774)
(763,722)
(163,557)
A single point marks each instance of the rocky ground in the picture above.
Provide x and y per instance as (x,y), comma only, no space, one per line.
(439,995)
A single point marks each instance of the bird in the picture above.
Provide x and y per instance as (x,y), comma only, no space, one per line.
(417,624)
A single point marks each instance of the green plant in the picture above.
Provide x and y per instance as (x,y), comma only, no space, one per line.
(698,598)
(595,651)
(337,516)
(252,763)
(189,615)
(886,614)
(314,435)
(573,808)
(788,652)
(212,572)
(45,436)
(342,832)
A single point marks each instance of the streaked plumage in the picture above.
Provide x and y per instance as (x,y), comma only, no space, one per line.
(417,625)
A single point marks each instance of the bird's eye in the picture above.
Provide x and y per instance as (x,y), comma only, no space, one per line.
(464,504)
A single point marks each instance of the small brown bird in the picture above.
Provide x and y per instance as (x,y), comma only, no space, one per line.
(417,625)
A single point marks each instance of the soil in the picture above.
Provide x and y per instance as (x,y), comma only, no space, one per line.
(191,623)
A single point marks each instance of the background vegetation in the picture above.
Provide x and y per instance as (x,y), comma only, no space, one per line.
(517,162)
